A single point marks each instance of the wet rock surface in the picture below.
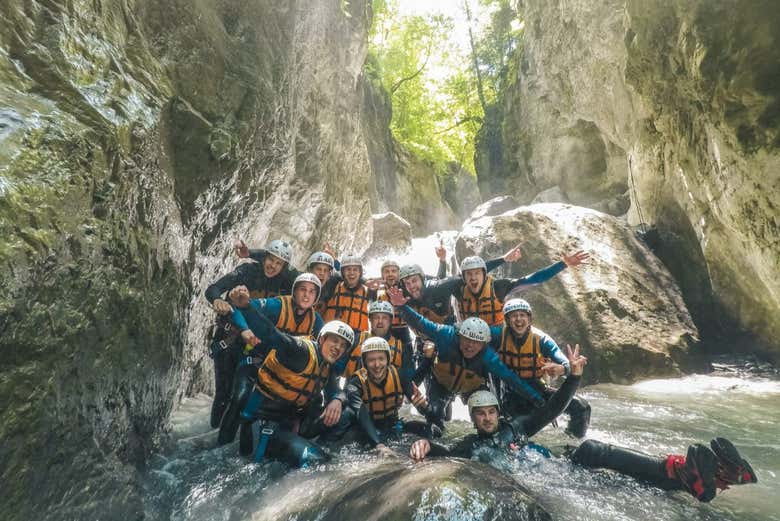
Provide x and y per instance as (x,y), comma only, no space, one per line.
(624,308)
(391,233)
(674,106)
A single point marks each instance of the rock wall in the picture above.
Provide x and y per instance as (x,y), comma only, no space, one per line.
(401,183)
(137,140)
(674,106)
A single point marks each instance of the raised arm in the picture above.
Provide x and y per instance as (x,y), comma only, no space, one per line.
(497,368)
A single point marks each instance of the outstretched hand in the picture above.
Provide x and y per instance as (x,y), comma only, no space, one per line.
(241,249)
(441,253)
(576,258)
(239,296)
(327,248)
(513,255)
(397,297)
(374,284)
(332,413)
(576,360)
(418,398)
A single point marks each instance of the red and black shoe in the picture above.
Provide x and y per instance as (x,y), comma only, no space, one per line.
(696,471)
(732,469)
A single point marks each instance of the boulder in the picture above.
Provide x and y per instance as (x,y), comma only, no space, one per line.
(551,195)
(624,308)
(495,206)
(439,489)
(391,233)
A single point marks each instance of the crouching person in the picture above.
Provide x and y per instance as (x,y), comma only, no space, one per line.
(288,388)
(374,395)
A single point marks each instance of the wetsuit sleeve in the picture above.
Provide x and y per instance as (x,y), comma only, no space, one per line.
(354,392)
(461,449)
(497,368)
(504,286)
(318,323)
(367,424)
(423,370)
(551,350)
(495,337)
(442,273)
(438,290)
(407,358)
(495,264)
(333,391)
(290,352)
(532,423)
(238,276)
(257,255)
(441,334)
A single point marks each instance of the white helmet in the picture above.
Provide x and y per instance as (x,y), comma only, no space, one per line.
(281,249)
(516,304)
(411,269)
(482,398)
(351,259)
(320,257)
(338,328)
(375,343)
(388,263)
(308,277)
(475,328)
(380,306)
(473,263)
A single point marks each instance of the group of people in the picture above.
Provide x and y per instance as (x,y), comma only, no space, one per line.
(306,358)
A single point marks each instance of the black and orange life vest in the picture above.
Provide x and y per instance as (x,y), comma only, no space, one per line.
(349,306)
(526,359)
(398,320)
(455,377)
(278,382)
(287,323)
(355,361)
(262,293)
(486,305)
(382,402)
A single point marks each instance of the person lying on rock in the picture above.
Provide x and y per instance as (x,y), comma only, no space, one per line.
(526,350)
(272,275)
(701,472)
(480,295)
(374,395)
(293,315)
(463,360)
(286,400)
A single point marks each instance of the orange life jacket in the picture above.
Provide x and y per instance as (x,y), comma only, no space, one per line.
(486,305)
(382,402)
(287,323)
(349,306)
(455,377)
(524,359)
(278,382)
(356,361)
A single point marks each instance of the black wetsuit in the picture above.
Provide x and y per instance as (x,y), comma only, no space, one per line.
(291,425)
(513,434)
(226,344)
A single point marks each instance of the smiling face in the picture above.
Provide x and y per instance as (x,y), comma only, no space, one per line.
(474,279)
(485,419)
(322,271)
(470,348)
(519,322)
(376,365)
(332,347)
(380,323)
(390,275)
(272,265)
(305,295)
(351,275)
(413,285)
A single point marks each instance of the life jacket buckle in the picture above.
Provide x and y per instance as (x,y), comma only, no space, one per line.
(223,345)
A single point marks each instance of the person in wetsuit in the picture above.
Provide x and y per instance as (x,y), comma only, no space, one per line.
(374,395)
(531,353)
(293,315)
(463,360)
(349,298)
(271,275)
(700,472)
(286,403)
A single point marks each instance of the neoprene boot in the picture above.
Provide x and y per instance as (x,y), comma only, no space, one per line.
(695,471)
(579,417)
(732,468)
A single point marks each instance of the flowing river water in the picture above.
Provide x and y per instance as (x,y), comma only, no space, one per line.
(193,480)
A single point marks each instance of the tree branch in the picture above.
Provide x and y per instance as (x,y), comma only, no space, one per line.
(459,123)
(413,76)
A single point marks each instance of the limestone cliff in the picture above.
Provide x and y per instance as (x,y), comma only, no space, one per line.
(138,139)
(673,105)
